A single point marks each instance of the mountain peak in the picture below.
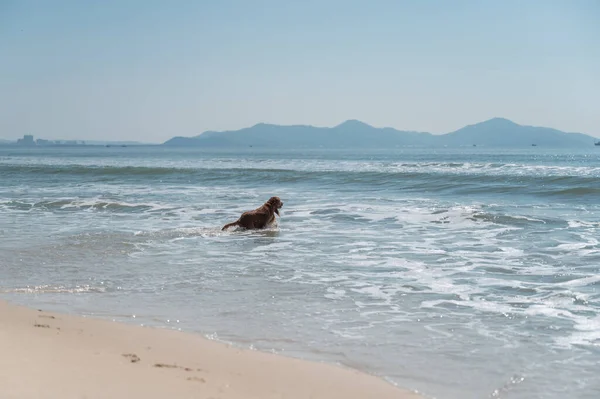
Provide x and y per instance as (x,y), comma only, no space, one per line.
(260,124)
(498,122)
(353,123)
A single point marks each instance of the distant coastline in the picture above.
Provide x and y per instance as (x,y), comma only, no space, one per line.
(496,132)
(29,140)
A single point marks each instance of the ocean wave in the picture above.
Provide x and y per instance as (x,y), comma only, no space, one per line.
(460,178)
(43,169)
(55,289)
(94,204)
(414,213)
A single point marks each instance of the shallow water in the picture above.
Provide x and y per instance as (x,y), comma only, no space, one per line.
(461,273)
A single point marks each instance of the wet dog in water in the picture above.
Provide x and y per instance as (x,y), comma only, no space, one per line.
(260,217)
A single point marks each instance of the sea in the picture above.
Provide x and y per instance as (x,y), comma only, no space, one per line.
(457,273)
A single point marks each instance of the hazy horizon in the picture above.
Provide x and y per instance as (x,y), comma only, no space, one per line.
(148,71)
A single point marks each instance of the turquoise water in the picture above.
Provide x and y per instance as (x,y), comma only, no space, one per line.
(460,273)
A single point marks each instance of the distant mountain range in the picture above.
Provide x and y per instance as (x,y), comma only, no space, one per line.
(496,132)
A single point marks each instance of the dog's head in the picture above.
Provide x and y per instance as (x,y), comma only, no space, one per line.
(275,204)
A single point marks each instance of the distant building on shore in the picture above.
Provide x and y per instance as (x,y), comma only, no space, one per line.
(27,140)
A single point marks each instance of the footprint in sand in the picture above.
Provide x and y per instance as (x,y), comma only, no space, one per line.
(132,357)
(41,325)
(172,366)
(166,366)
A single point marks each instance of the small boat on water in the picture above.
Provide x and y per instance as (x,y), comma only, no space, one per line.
(597,143)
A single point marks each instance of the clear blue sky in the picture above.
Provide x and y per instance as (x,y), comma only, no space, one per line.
(149,70)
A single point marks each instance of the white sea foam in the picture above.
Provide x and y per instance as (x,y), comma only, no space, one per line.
(49,289)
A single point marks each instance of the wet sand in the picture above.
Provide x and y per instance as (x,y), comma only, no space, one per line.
(48,355)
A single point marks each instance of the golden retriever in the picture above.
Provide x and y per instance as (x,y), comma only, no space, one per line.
(260,217)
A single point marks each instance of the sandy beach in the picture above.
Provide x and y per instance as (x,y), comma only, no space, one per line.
(48,355)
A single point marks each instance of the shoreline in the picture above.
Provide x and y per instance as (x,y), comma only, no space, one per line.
(49,355)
